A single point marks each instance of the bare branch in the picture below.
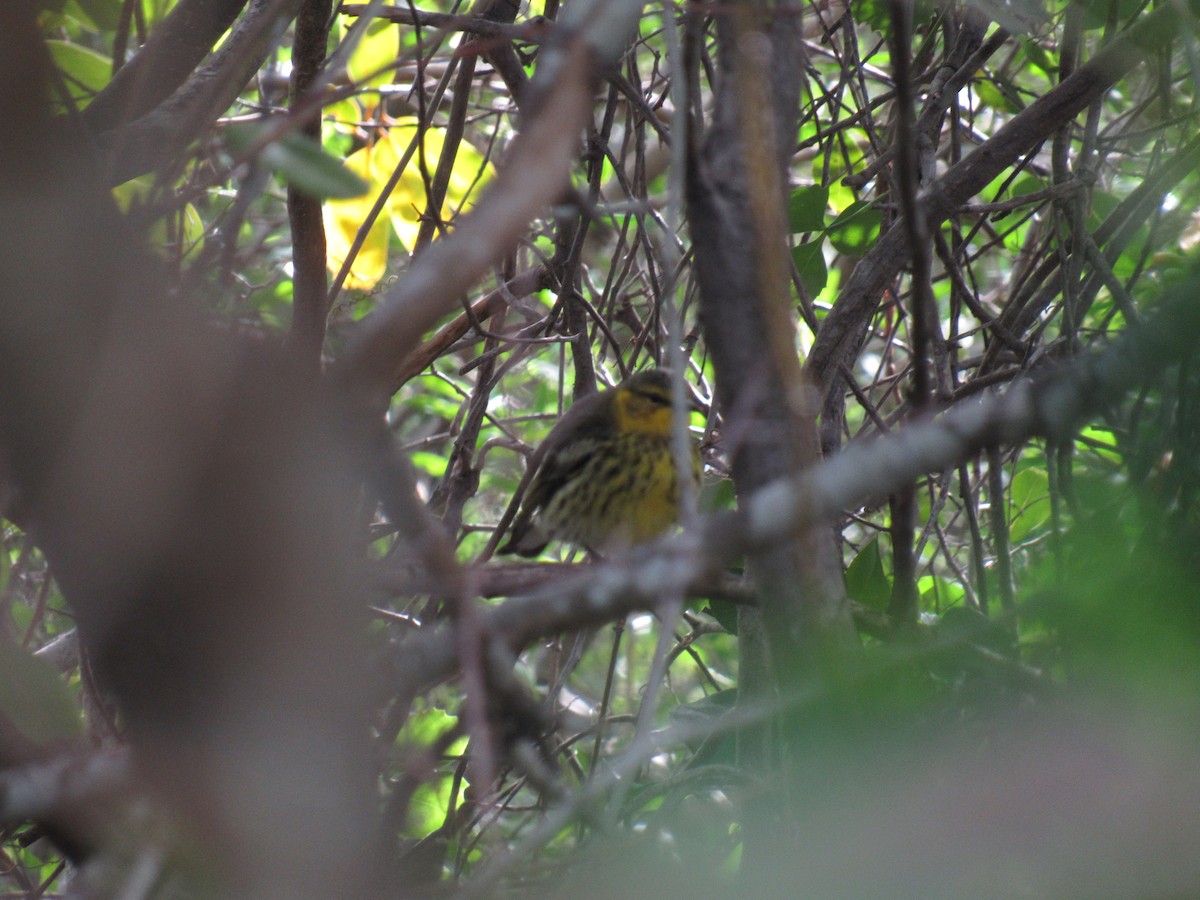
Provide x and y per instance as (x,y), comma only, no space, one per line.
(160,136)
(188,34)
(1051,405)
(842,331)
(535,175)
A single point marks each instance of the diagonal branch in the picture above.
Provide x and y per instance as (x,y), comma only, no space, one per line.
(534,176)
(160,136)
(1051,405)
(164,62)
(843,329)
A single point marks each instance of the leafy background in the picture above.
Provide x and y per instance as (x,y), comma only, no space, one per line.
(1034,708)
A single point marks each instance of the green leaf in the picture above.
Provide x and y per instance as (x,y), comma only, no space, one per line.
(1096,12)
(866,581)
(848,155)
(806,208)
(423,728)
(1102,436)
(34,699)
(716,495)
(1029,499)
(370,63)
(810,263)
(301,162)
(938,593)
(1027,184)
(725,613)
(998,97)
(104,14)
(1037,56)
(430,463)
(84,71)
(856,229)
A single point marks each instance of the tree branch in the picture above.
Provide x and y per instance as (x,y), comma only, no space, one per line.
(843,330)
(534,176)
(310,304)
(1051,404)
(164,62)
(160,136)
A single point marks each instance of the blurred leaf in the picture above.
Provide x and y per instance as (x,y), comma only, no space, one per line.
(939,593)
(1029,502)
(997,99)
(300,160)
(404,207)
(846,157)
(431,800)
(1098,438)
(430,463)
(426,726)
(430,804)
(179,236)
(375,54)
(866,581)
(714,749)
(1096,12)
(408,201)
(1124,610)
(84,71)
(106,14)
(34,698)
(717,494)
(342,221)
(102,14)
(1037,56)
(156,10)
(725,613)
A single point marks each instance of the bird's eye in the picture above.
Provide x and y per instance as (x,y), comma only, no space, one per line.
(656,397)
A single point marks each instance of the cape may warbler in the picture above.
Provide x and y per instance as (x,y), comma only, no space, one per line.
(605,476)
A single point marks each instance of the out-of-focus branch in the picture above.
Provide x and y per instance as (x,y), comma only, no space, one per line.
(161,135)
(197,505)
(521,285)
(164,62)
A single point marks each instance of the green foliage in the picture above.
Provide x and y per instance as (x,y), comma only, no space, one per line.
(33,699)
(855,229)
(84,71)
(299,160)
(806,208)
(866,580)
(1121,607)
(1102,593)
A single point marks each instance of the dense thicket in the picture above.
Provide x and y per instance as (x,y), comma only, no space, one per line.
(289,291)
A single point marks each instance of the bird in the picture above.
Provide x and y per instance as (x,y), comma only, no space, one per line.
(606,477)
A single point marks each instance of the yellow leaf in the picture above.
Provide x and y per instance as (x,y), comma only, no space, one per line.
(343,218)
(180,236)
(370,63)
(407,203)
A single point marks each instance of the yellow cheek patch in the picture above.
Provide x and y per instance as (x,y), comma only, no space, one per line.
(639,415)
